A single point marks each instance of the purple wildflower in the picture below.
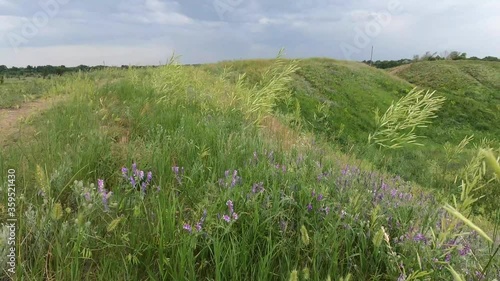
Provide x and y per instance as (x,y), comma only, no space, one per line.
(132,181)
(178,172)
(309,207)
(258,187)
(480,275)
(230,205)
(447,258)
(149,177)
(141,175)
(235,178)
(465,250)
(124,172)
(187,227)
(226,218)
(345,170)
(235,216)
(394,192)
(143,187)
(320,197)
(134,168)
(198,226)
(100,185)
(87,196)
(105,197)
(420,238)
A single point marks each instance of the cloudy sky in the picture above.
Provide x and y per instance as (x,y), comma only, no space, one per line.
(73,32)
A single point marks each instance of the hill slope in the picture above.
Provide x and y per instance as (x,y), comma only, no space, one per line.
(337,99)
(471,87)
(163,174)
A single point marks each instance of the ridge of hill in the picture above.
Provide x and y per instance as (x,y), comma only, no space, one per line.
(337,99)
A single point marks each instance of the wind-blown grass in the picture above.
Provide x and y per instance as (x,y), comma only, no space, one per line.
(397,126)
(170,174)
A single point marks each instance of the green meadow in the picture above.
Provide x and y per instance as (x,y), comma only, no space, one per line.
(257,170)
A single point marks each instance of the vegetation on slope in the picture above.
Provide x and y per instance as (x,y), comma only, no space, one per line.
(178,174)
(338,99)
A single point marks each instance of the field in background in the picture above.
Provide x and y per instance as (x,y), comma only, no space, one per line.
(194,173)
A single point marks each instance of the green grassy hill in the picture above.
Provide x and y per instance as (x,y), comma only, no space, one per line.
(191,173)
(471,87)
(337,99)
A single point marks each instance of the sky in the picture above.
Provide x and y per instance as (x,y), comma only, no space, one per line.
(145,32)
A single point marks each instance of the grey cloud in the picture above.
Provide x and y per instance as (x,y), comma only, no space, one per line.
(212,30)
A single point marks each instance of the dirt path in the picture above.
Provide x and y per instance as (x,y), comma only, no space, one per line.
(10,118)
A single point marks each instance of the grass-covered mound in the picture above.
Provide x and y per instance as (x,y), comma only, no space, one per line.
(338,99)
(177,173)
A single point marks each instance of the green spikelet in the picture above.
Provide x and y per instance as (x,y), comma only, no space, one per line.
(378,238)
(294,276)
(306,273)
(492,162)
(112,225)
(41,179)
(347,278)
(304,235)
(57,212)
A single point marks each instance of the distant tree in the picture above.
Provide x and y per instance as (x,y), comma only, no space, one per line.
(490,58)
(474,58)
(453,55)
(428,56)
(1,79)
(457,56)
(60,70)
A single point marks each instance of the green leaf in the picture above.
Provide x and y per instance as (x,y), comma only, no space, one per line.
(458,215)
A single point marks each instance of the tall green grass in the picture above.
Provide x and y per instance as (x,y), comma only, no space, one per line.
(224,200)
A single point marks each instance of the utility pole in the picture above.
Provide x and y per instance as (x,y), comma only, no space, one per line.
(371,57)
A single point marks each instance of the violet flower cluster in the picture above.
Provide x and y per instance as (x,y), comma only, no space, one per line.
(104,193)
(178,173)
(198,226)
(137,178)
(233,216)
(231,179)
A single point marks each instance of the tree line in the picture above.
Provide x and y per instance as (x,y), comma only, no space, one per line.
(428,56)
(46,71)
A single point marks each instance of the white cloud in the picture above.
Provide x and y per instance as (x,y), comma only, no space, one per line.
(9,23)
(152,11)
(138,29)
(6,4)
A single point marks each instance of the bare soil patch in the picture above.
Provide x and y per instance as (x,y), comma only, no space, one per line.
(10,118)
